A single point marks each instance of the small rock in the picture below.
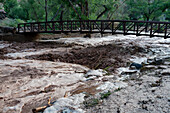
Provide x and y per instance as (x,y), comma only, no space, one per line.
(104,79)
(162,67)
(97,73)
(88,35)
(155,84)
(159,96)
(112,86)
(150,67)
(149,60)
(157,61)
(67,105)
(166,72)
(90,78)
(80,71)
(136,65)
(129,72)
(153,89)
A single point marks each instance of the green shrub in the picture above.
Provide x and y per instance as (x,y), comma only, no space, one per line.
(10,22)
(105,95)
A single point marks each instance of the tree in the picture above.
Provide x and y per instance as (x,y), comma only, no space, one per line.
(33,9)
(36,10)
(146,9)
(10,5)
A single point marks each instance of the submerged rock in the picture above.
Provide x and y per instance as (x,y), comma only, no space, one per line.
(96,73)
(157,61)
(166,72)
(67,105)
(112,86)
(136,65)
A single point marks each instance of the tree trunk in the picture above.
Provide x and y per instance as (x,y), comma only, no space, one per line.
(87,8)
(61,15)
(117,7)
(102,13)
(57,12)
(46,12)
(74,9)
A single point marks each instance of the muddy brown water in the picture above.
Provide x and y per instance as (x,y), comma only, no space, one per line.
(20,47)
(106,57)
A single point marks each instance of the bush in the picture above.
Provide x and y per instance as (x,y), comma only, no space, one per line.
(10,22)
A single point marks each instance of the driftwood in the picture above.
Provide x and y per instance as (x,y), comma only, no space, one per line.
(8,30)
(41,109)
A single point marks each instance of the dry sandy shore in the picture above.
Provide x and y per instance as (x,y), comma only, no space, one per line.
(85,75)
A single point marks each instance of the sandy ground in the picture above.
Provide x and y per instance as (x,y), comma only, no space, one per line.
(85,75)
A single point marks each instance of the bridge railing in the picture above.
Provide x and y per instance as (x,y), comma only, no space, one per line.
(126,27)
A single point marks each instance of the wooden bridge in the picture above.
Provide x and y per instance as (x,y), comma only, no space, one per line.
(125,27)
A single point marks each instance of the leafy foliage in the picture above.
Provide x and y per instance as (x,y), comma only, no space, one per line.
(147,9)
(10,22)
(34,10)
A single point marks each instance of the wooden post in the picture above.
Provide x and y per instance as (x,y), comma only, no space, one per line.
(39,29)
(67,25)
(134,26)
(137,30)
(18,28)
(31,27)
(158,27)
(102,28)
(165,31)
(62,27)
(90,26)
(71,26)
(124,28)
(80,25)
(112,27)
(45,26)
(53,27)
(146,27)
(24,28)
(151,29)
(93,25)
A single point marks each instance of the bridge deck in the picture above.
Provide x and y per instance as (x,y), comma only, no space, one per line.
(146,28)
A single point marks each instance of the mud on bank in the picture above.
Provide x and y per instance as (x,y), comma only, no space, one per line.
(106,57)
